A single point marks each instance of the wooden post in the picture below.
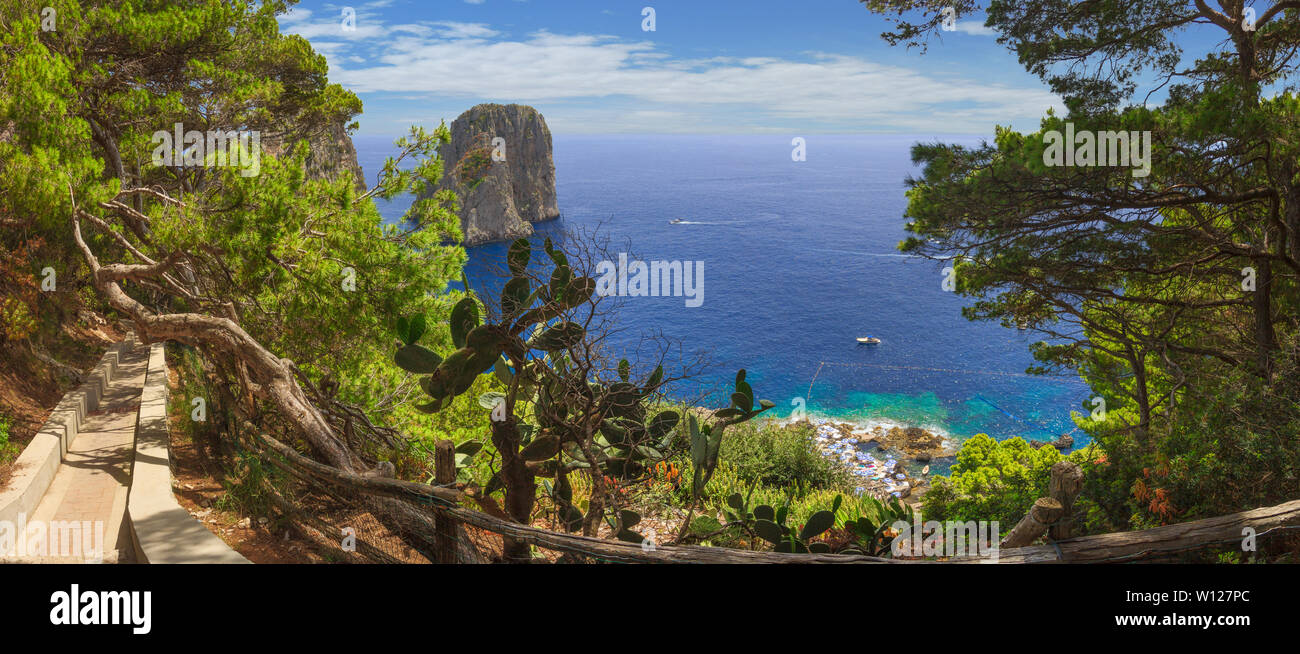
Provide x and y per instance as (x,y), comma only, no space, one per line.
(1067,480)
(1044,512)
(444,467)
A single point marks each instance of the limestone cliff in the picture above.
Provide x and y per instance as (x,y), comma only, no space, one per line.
(331,150)
(499,163)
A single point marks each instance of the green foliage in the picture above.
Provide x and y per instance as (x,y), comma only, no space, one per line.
(1228,447)
(247,480)
(783,456)
(19,290)
(190,384)
(769,465)
(706,443)
(859,526)
(461,420)
(869,524)
(474,165)
(247,484)
(991,480)
(551,417)
(299,253)
(1195,354)
(8,451)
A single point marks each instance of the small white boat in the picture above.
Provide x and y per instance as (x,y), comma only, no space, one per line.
(676,221)
(868,339)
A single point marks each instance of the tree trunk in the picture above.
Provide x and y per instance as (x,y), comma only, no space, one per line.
(1261,301)
(1042,514)
(1143,398)
(521,487)
(1067,481)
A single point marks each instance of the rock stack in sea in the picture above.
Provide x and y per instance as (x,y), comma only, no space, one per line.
(499,164)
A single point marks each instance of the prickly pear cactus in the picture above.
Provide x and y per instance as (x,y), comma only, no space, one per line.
(604,427)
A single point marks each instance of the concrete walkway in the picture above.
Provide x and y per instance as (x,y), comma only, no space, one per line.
(92,484)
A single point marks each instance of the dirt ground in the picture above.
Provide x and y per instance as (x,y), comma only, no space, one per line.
(197,482)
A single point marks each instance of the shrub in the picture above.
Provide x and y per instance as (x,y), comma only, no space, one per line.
(19,291)
(783,456)
(8,451)
(473,167)
(246,484)
(993,480)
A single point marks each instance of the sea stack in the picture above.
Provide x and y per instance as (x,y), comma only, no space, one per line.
(499,163)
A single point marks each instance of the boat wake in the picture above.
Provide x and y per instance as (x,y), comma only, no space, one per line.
(873,254)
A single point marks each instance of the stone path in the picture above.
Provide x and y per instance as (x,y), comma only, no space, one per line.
(92,484)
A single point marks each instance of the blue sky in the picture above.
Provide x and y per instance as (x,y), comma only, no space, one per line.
(759,66)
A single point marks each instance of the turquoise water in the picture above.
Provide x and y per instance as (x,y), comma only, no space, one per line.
(799,258)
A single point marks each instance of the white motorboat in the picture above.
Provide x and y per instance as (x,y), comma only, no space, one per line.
(870,340)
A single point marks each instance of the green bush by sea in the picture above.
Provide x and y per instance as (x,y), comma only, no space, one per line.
(999,480)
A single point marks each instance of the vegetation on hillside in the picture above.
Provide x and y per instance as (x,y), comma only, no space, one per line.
(283,285)
(1173,294)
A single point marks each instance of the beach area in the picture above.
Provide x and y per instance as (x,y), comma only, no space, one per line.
(887,458)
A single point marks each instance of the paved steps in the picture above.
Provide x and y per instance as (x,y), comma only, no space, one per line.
(94,485)
(91,485)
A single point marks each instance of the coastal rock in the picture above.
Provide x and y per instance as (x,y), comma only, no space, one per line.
(915,443)
(500,199)
(1063,443)
(330,151)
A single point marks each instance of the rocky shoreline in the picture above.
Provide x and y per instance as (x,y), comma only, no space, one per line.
(879,455)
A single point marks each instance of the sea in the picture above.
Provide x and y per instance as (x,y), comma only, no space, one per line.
(799,258)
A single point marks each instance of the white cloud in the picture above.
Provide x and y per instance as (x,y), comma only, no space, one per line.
(294,15)
(453,30)
(592,80)
(974,27)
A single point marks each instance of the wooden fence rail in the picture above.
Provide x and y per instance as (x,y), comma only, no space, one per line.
(1130,546)
(442,504)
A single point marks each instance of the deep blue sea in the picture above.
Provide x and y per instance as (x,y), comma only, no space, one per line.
(799,259)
